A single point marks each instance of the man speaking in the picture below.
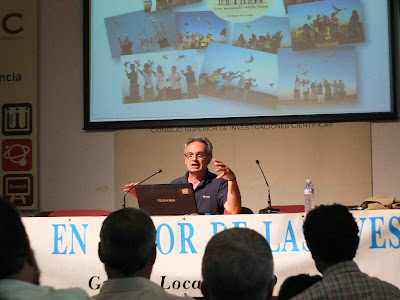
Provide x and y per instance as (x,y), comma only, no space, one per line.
(213,193)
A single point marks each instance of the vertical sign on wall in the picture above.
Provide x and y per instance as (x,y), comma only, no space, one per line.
(18,102)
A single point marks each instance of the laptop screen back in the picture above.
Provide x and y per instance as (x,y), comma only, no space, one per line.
(167,199)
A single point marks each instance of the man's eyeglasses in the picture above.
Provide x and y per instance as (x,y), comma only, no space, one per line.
(191,155)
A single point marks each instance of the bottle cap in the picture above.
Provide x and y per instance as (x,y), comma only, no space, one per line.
(308,181)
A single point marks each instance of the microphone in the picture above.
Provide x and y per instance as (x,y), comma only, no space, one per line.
(269,209)
(124,201)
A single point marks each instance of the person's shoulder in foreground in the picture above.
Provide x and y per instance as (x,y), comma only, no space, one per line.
(19,272)
(134,288)
(128,250)
(331,234)
(22,290)
(346,281)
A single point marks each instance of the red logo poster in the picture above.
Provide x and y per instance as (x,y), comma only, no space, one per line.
(16,154)
(19,188)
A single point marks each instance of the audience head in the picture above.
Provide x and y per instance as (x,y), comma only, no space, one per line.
(294,285)
(238,264)
(331,234)
(16,257)
(127,243)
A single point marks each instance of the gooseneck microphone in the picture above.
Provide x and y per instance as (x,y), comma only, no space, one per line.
(269,209)
(124,201)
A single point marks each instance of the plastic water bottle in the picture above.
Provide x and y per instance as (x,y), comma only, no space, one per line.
(308,196)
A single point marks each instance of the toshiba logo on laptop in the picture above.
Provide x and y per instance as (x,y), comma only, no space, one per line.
(166,200)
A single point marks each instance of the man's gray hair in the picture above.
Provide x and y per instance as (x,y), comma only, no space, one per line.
(200,139)
(127,238)
(238,264)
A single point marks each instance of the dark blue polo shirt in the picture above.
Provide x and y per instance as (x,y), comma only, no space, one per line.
(211,193)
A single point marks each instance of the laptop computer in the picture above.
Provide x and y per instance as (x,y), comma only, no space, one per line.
(167,199)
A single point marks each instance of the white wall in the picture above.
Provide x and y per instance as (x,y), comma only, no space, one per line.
(336,156)
(386,142)
(76,168)
(386,159)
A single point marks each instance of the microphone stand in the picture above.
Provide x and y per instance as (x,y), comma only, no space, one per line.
(268,209)
(131,188)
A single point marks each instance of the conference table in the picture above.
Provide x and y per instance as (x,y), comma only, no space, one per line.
(66,247)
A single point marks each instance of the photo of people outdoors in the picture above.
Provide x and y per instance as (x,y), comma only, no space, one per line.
(325,76)
(266,34)
(239,74)
(326,24)
(154,77)
(140,32)
(197,29)
(153,5)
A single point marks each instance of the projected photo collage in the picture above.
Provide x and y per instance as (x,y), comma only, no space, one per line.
(305,58)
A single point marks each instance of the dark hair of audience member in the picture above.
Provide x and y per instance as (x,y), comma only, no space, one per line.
(237,264)
(127,238)
(294,285)
(14,240)
(331,233)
